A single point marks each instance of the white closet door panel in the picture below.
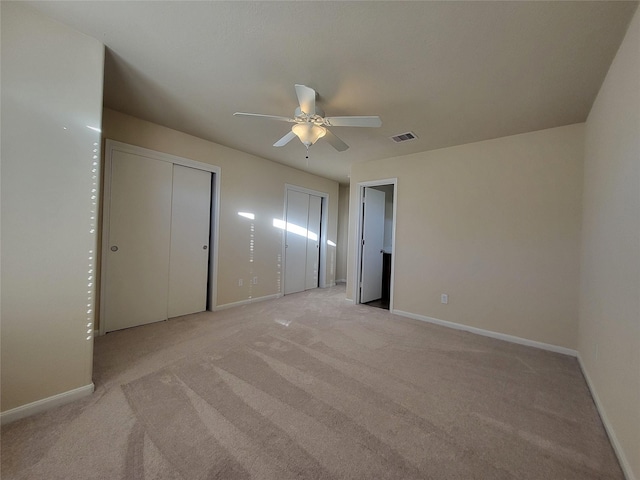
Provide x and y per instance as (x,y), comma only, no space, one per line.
(296,241)
(137,277)
(373,236)
(313,242)
(189,259)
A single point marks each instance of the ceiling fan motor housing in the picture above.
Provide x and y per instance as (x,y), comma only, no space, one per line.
(303,117)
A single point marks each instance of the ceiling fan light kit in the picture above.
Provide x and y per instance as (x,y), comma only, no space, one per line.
(311,124)
(308,132)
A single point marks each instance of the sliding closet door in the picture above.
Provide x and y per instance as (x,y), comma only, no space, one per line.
(137,271)
(296,241)
(156,262)
(302,241)
(313,242)
(189,260)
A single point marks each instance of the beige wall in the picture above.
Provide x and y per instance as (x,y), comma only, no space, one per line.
(343,233)
(51,92)
(248,184)
(495,225)
(609,332)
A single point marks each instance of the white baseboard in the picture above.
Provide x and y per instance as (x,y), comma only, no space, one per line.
(489,333)
(624,463)
(341,280)
(45,404)
(246,302)
(328,285)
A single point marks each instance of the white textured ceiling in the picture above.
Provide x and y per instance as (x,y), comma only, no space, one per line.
(452,72)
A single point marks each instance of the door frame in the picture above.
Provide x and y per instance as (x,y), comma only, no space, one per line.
(112,146)
(324,218)
(358,238)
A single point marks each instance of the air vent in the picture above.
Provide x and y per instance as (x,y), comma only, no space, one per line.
(404,137)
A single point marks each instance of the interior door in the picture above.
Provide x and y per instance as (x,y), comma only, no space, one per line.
(189,257)
(313,242)
(137,271)
(296,241)
(372,245)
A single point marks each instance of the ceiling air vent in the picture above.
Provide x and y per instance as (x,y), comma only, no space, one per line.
(404,137)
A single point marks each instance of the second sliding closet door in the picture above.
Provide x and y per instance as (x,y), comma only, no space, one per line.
(190,214)
(313,242)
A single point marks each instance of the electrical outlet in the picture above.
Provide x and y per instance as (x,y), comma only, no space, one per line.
(444,298)
(240,282)
(255,280)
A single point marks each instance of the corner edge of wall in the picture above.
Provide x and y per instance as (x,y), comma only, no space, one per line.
(617,448)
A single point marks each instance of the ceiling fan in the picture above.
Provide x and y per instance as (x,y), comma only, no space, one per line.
(311,124)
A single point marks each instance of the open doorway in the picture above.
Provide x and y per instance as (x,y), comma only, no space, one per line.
(376,242)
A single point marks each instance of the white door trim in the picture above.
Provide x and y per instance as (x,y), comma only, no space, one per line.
(324,217)
(110,147)
(358,239)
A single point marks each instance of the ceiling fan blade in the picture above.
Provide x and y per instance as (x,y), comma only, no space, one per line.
(284,140)
(368,121)
(270,117)
(335,142)
(306,99)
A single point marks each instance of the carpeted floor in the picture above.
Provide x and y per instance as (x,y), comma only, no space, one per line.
(311,387)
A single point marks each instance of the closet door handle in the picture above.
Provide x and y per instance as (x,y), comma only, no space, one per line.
(114,248)
(204,247)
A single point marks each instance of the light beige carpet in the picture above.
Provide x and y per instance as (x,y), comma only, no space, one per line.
(311,387)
